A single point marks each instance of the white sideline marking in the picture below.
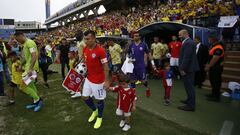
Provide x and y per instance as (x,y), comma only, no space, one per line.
(226,128)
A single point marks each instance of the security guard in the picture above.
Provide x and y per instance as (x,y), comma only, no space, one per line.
(215,68)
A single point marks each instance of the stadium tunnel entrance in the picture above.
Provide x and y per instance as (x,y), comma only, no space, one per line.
(165,31)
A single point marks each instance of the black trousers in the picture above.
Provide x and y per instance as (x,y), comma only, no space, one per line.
(44,68)
(1,84)
(157,62)
(215,77)
(188,81)
(199,77)
(64,61)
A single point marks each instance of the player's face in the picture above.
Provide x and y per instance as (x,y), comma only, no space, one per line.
(181,35)
(89,40)
(168,67)
(136,37)
(20,39)
(196,41)
(174,38)
(64,42)
(110,43)
(156,39)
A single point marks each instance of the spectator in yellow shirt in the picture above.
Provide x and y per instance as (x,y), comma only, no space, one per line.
(157,52)
(115,51)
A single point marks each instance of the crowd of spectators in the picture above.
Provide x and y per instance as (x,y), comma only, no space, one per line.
(125,22)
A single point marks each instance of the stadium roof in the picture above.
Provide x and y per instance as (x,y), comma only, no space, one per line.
(167,26)
(79,9)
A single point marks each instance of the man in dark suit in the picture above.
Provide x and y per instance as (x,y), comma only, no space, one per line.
(188,65)
(202,56)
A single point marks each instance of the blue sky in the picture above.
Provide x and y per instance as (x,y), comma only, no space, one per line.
(29,10)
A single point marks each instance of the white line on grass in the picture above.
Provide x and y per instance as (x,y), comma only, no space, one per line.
(226,128)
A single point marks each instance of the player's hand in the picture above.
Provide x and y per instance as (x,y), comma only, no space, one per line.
(30,72)
(154,67)
(106,85)
(133,108)
(110,89)
(182,73)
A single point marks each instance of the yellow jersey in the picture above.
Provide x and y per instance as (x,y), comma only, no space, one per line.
(16,75)
(158,50)
(115,53)
(71,63)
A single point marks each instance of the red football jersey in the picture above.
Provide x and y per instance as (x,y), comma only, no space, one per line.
(125,98)
(95,59)
(175,47)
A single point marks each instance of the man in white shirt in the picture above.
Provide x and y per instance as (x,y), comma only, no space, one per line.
(202,56)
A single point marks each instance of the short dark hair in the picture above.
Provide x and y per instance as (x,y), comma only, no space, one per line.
(198,38)
(89,32)
(123,78)
(18,33)
(79,35)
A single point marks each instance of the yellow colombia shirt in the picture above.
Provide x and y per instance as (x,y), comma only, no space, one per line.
(115,53)
(71,63)
(16,75)
(29,47)
(158,50)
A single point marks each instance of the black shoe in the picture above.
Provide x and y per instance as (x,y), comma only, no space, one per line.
(184,101)
(167,102)
(209,95)
(213,99)
(186,108)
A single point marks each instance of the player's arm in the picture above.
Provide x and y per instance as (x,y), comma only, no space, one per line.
(134,102)
(33,52)
(134,105)
(119,49)
(104,61)
(151,49)
(113,89)
(148,55)
(214,60)
(106,72)
(80,52)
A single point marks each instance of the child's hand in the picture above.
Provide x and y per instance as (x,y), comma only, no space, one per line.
(133,108)
(156,70)
(110,89)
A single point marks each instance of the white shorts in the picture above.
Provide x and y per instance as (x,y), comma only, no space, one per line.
(120,112)
(92,89)
(174,61)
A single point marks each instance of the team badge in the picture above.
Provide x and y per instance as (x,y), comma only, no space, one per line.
(93,55)
(78,80)
(141,48)
(72,76)
(129,92)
